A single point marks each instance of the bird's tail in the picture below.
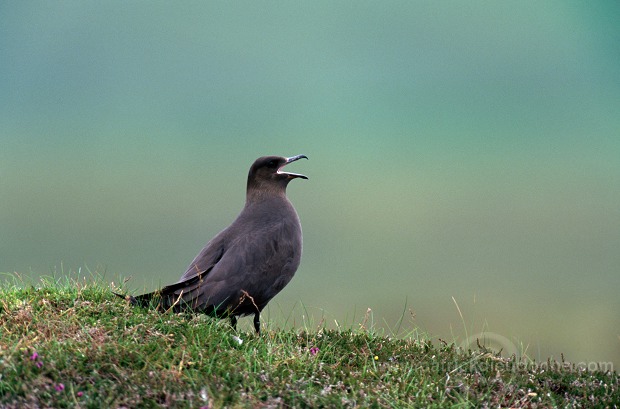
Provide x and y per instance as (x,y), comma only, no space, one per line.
(143,300)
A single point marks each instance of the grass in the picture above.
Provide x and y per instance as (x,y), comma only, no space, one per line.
(74,344)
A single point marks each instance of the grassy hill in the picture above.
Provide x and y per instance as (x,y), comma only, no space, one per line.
(74,344)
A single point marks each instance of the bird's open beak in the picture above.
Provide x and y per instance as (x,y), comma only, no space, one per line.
(289,160)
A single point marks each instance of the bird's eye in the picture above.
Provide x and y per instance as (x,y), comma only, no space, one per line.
(272,164)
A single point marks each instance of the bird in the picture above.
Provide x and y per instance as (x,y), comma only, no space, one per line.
(245,265)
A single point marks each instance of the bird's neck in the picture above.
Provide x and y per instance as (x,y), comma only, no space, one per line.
(265,194)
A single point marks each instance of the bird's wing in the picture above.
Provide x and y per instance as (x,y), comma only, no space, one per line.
(221,272)
(208,257)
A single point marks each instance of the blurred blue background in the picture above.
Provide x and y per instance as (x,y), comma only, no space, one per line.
(457,149)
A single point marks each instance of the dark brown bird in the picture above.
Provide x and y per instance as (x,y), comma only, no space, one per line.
(244,266)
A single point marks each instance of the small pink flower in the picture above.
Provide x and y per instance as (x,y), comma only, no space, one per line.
(314,350)
(79,394)
(36,358)
(60,387)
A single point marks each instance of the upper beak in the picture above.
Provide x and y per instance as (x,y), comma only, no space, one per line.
(289,160)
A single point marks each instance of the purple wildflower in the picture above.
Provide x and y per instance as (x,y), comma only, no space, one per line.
(60,387)
(36,358)
(314,350)
(79,394)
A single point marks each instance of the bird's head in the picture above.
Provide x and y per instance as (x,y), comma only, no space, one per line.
(266,174)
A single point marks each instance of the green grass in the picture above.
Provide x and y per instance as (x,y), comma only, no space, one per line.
(74,344)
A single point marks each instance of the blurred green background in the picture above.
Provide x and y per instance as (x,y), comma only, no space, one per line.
(457,149)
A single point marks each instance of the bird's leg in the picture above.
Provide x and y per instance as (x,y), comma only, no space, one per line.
(257,322)
(233,322)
